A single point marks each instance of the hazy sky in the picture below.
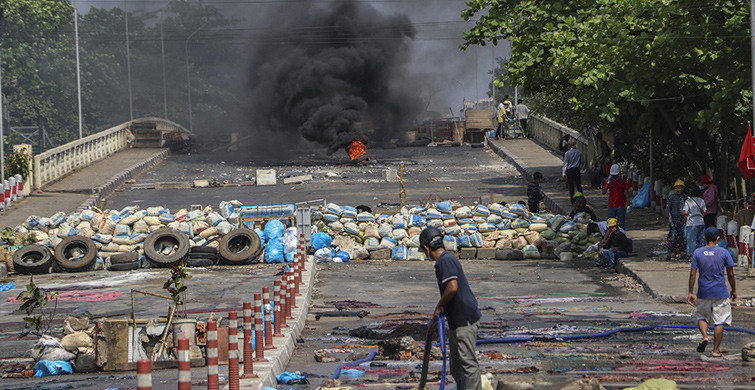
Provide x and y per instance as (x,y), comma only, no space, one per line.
(452,75)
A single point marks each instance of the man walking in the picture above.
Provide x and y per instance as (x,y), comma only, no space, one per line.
(572,163)
(459,305)
(501,117)
(712,303)
(710,196)
(522,113)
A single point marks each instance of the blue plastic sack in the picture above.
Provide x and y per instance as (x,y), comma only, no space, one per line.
(287,378)
(343,255)
(260,233)
(274,229)
(443,207)
(642,199)
(289,257)
(52,367)
(274,251)
(321,240)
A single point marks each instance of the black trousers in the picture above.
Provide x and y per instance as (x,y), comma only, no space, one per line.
(575,181)
(710,220)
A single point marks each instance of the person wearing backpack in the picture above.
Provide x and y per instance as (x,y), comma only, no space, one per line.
(694,210)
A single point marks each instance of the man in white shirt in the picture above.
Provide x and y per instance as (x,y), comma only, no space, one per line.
(571,168)
(522,114)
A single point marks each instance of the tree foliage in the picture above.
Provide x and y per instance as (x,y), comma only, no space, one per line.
(678,68)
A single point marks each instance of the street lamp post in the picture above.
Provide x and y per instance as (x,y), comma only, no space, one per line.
(188,76)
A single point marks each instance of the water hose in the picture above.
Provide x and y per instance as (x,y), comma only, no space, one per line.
(442,340)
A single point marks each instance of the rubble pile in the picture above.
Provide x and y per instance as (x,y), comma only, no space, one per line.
(511,229)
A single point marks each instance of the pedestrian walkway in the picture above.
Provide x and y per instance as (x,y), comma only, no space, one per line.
(647,229)
(70,192)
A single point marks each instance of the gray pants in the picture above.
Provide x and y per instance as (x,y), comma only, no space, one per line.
(464,367)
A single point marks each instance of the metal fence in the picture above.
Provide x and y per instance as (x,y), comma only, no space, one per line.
(550,133)
(55,163)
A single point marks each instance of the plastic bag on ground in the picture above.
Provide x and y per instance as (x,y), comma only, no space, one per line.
(52,367)
(642,199)
(343,256)
(323,255)
(274,251)
(274,228)
(49,348)
(321,240)
(290,241)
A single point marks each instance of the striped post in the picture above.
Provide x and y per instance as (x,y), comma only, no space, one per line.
(284,301)
(248,359)
(144,375)
(291,293)
(212,355)
(184,365)
(297,275)
(266,313)
(259,348)
(302,250)
(233,351)
(277,309)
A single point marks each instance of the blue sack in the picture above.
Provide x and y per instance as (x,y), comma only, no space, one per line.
(274,229)
(642,199)
(288,378)
(274,251)
(343,255)
(321,240)
(52,367)
(261,234)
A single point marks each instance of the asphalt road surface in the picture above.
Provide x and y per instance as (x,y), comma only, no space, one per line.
(543,298)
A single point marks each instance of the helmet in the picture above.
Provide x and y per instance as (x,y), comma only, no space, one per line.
(678,183)
(706,179)
(613,222)
(614,169)
(427,235)
(577,194)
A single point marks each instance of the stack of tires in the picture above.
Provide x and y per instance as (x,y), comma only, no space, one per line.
(73,254)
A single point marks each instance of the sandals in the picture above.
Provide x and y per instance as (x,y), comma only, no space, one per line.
(702,345)
(717,354)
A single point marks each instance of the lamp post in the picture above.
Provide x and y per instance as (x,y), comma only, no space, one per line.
(188,76)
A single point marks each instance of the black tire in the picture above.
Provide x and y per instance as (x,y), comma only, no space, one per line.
(32,260)
(203,250)
(161,239)
(240,246)
(76,254)
(123,266)
(198,262)
(508,254)
(124,258)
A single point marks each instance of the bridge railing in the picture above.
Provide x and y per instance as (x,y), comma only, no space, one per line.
(55,163)
(550,133)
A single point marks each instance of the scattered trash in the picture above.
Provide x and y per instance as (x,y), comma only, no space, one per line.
(52,367)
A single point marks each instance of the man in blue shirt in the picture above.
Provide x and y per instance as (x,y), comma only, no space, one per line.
(712,303)
(459,305)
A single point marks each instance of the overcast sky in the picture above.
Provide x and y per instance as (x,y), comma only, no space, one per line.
(453,75)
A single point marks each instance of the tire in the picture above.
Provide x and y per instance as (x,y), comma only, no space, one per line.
(162,239)
(124,258)
(32,260)
(239,247)
(123,266)
(198,262)
(203,250)
(76,254)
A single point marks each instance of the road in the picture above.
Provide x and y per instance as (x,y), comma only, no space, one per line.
(539,298)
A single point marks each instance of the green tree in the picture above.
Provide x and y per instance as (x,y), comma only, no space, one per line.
(628,66)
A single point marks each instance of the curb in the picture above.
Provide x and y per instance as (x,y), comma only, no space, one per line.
(550,202)
(622,268)
(278,358)
(99,194)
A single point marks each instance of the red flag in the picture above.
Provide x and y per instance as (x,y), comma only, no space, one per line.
(747,155)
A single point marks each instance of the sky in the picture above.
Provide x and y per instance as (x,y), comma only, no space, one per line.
(450,75)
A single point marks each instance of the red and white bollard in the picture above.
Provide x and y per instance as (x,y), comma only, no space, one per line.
(278,319)
(233,351)
(267,318)
(259,348)
(248,359)
(144,375)
(291,293)
(212,355)
(284,301)
(184,365)
(20,183)
(13,189)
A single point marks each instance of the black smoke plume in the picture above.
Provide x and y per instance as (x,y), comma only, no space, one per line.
(333,71)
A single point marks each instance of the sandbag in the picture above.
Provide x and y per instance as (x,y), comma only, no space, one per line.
(495,208)
(365,217)
(481,210)
(450,243)
(463,212)
(323,255)
(371,230)
(538,227)
(533,238)
(385,230)
(399,253)
(531,252)
(351,228)
(508,254)
(349,212)
(433,214)
(475,240)
(387,242)
(453,230)
(371,243)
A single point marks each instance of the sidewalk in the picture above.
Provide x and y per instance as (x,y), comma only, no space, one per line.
(662,279)
(83,187)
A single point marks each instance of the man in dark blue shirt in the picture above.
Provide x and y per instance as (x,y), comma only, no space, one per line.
(459,305)
(712,304)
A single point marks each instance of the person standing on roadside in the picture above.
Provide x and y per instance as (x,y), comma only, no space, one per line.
(617,188)
(694,209)
(710,196)
(534,195)
(676,231)
(459,305)
(522,114)
(571,168)
(604,160)
(501,117)
(712,304)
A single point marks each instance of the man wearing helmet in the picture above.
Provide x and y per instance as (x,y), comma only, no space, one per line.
(676,231)
(615,244)
(459,305)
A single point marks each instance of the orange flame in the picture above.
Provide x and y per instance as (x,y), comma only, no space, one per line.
(356,149)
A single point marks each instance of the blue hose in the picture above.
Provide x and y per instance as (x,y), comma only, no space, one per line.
(510,340)
(369,357)
(442,340)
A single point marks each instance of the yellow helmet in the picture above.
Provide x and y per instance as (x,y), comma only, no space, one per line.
(678,183)
(613,222)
